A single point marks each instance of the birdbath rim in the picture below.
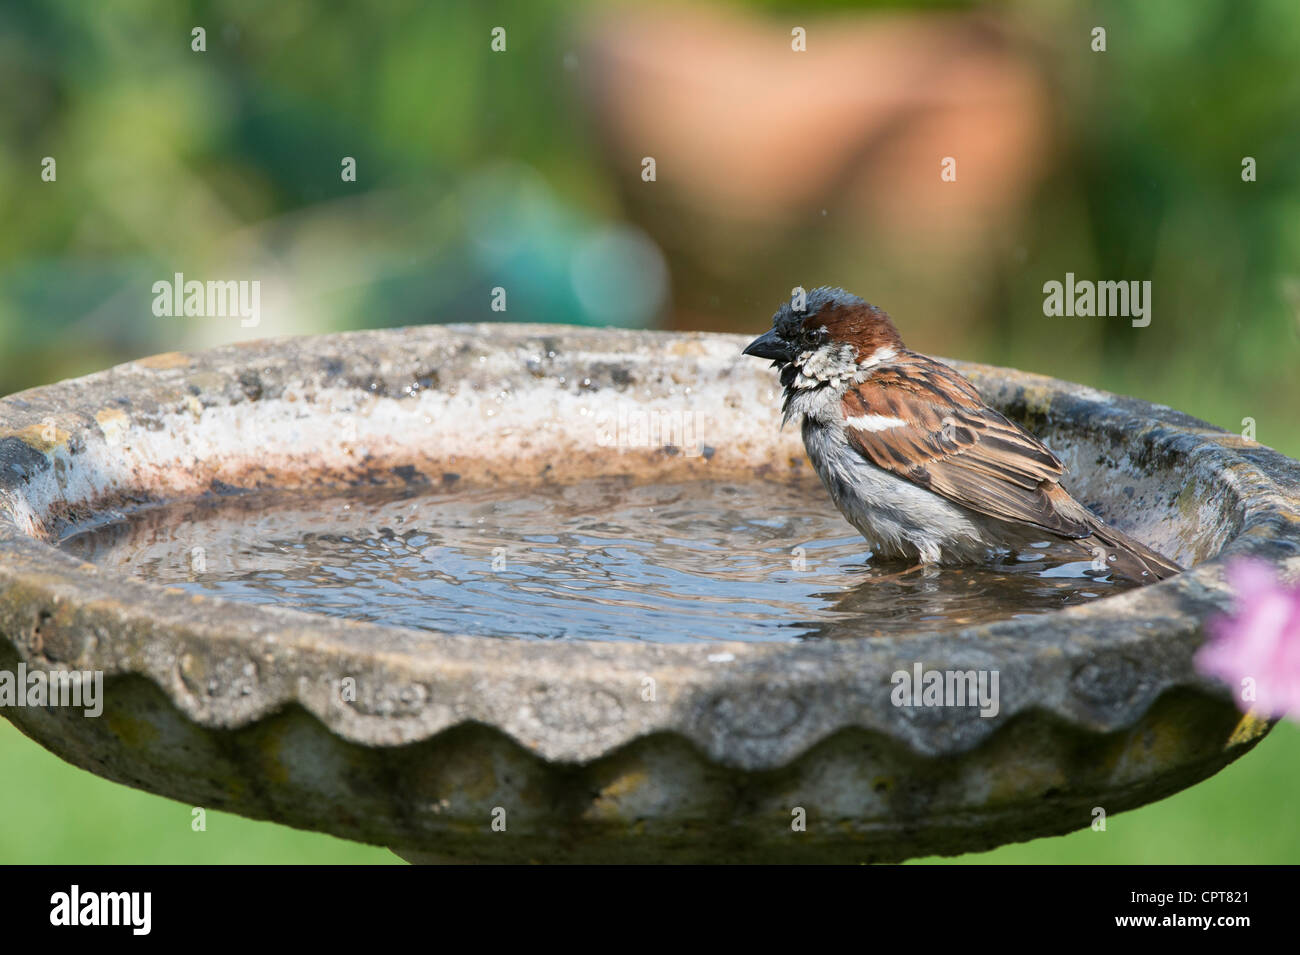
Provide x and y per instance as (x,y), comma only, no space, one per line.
(77,448)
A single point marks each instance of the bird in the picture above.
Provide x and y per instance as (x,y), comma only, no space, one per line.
(913,456)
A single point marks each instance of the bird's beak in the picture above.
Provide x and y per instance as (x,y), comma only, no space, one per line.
(770,345)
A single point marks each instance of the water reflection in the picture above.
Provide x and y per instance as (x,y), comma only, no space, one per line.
(602,560)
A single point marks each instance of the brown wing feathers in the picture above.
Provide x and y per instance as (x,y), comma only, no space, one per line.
(956,446)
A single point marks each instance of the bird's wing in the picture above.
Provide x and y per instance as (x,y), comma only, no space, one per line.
(921,420)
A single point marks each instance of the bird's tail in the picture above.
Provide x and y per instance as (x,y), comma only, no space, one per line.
(1124,556)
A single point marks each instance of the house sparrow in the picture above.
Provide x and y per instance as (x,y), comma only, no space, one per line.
(911,454)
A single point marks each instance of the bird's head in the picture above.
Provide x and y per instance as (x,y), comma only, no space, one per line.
(835,337)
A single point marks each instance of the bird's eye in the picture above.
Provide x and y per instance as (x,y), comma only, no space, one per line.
(810,337)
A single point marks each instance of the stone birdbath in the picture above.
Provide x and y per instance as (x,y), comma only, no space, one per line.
(453,746)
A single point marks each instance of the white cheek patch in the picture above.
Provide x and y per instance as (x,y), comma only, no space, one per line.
(830,364)
(874,422)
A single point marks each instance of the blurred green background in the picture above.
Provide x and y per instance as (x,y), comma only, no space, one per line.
(522,169)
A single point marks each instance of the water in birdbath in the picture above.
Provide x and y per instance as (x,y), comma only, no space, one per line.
(600,560)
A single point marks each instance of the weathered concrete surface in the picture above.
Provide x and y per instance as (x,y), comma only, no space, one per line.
(239,707)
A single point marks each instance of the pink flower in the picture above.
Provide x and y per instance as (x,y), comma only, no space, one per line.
(1256,650)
